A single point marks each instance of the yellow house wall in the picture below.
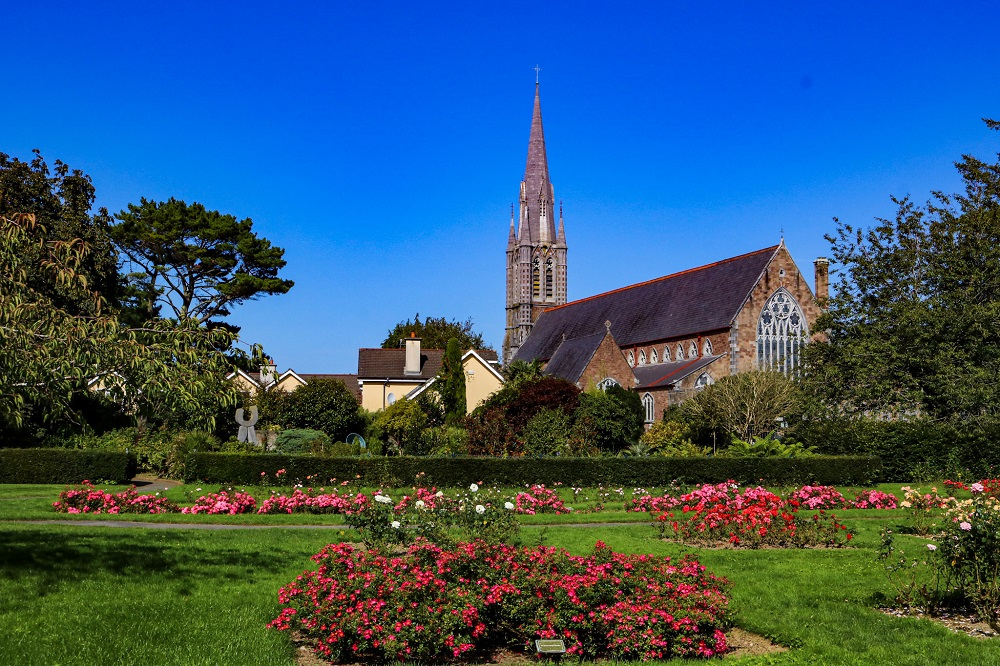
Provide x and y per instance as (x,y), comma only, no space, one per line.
(479,385)
(374,392)
(244,384)
(289,384)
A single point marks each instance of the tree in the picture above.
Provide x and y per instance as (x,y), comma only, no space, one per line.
(61,201)
(609,420)
(746,405)
(451,383)
(913,327)
(400,426)
(193,262)
(326,405)
(434,333)
(49,353)
(496,426)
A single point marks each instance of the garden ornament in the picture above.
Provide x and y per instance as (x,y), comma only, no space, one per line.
(247,433)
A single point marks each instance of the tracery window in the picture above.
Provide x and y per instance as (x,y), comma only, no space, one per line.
(642,357)
(652,357)
(704,379)
(631,359)
(693,350)
(647,407)
(549,285)
(706,348)
(666,354)
(607,383)
(781,333)
(679,356)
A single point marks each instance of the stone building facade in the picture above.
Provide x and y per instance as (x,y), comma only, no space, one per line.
(669,337)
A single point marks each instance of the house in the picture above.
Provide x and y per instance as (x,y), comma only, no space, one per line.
(669,337)
(289,380)
(386,375)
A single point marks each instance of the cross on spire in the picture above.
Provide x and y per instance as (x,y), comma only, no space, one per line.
(537,69)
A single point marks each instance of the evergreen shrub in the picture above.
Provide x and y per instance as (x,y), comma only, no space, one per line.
(226,468)
(65,466)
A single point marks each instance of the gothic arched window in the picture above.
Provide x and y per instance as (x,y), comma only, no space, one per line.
(781,333)
(679,355)
(607,383)
(693,350)
(549,283)
(653,358)
(647,407)
(631,359)
(642,357)
(536,279)
(706,348)
(704,379)
(666,354)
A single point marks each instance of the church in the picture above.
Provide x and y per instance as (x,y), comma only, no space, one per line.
(665,338)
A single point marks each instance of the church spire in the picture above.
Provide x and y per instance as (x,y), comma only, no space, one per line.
(536,191)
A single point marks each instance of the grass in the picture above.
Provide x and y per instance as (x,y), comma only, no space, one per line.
(78,594)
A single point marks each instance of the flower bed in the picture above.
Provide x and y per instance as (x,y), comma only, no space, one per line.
(539,499)
(751,518)
(440,605)
(228,502)
(88,499)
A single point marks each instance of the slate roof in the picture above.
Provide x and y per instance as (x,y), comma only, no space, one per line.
(350,381)
(389,363)
(698,300)
(665,374)
(572,357)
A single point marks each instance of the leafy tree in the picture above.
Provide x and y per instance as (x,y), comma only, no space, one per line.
(434,333)
(746,405)
(547,433)
(193,262)
(400,426)
(912,327)
(326,405)
(61,200)
(517,372)
(609,420)
(451,383)
(50,354)
(496,426)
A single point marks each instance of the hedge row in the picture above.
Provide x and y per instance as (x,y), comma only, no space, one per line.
(65,466)
(237,468)
(915,450)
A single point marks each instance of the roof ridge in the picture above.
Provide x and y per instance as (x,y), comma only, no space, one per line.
(665,277)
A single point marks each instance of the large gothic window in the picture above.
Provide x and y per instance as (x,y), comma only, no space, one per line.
(781,333)
(607,383)
(647,407)
(536,279)
(549,283)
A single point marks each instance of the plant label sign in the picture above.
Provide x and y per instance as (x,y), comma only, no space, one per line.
(550,647)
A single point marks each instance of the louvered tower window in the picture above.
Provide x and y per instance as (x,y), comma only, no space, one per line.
(781,334)
(536,279)
(549,279)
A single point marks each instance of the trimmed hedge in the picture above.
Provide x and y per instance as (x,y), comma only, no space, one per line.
(225,468)
(65,466)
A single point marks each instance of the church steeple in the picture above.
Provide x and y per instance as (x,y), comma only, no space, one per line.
(536,254)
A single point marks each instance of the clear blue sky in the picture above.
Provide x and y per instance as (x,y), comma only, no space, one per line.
(382,143)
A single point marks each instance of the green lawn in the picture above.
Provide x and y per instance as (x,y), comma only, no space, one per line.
(77,594)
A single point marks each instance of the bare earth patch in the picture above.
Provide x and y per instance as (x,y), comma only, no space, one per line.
(742,643)
(959,622)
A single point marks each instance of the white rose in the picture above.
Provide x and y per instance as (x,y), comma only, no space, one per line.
(419,504)
(473,487)
(480,509)
(509,506)
(395,524)
(384,499)
(439,494)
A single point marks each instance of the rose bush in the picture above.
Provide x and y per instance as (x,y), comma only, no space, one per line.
(88,499)
(437,605)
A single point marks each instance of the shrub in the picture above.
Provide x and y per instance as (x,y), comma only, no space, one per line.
(151,447)
(302,441)
(609,420)
(665,434)
(90,500)
(766,447)
(228,502)
(225,468)
(435,605)
(496,427)
(970,552)
(446,441)
(547,433)
(183,445)
(326,405)
(65,466)
(399,426)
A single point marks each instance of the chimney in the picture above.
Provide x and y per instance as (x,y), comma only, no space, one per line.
(412,364)
(822,265)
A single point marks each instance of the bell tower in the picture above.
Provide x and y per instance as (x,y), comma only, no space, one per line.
(536,252)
